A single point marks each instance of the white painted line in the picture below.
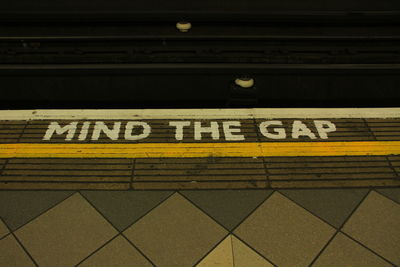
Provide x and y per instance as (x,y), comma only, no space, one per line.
(138,114)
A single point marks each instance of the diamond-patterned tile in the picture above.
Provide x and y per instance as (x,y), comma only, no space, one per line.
(12,254)
(176,233)
(343,251)
(245,256)
(232,252)
(392,193)
(122,208)
(117,253)
(65,234)
(19,207)
(3,229)
(376,225)
(220,256)
(228,207)
(332,205)
(284,232)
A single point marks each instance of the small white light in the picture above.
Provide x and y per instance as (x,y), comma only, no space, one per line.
(245,82)
(184,26)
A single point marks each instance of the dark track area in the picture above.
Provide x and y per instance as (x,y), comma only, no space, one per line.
(120,54)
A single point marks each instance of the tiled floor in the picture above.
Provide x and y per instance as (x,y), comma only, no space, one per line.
(318,227)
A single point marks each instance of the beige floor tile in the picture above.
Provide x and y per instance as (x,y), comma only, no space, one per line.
(245,256)
(12,254)
(176,233)
(376,225)
(284,232)
(221,256)
(117,253)
(3,229)
(66,234)
(343,251)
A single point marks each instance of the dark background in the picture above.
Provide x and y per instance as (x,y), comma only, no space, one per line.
(128,54)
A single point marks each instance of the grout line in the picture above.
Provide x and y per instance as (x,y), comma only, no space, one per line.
(96,209)
(71,193)
(8,228)
(324,248)
(119,233)
(230,232)
(132,173)
(232,250)
(369,129)
(211,250)
(364,246)
(96,250)
(4,166)
(137,248)
(262,158)
(389,198)
(153,208)
(393,168)
(23,131)
(386,157)
(256,208)
(26,251)
(339,228)
(316,215)
(204,212)
(9,233)
(23,247)
(254,250)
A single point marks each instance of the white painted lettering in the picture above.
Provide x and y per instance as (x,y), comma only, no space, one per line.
(199,130)
(232,133)
(132,124)
(100,127)
(54,127)
(300,129)
(324,127)
(179,128)
(278,133)
(84,131)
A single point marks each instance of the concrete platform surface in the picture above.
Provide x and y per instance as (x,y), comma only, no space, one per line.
(249,187)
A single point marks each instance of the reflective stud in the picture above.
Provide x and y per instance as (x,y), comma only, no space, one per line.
(245,82)
(184,26)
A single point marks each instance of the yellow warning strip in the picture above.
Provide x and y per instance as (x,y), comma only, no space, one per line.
(190,150)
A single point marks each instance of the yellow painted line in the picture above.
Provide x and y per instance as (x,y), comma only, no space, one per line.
(190,150)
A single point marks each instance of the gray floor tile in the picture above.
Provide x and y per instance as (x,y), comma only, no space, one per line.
(19,207)
(66,234)
(118,253)
(12,254)
(284,232)
(176,233)
(222,255)
(244,256)
(3,229)
(375,224)
(392,193)
(228,207)
(343,251)
(122,208)
(332,205)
